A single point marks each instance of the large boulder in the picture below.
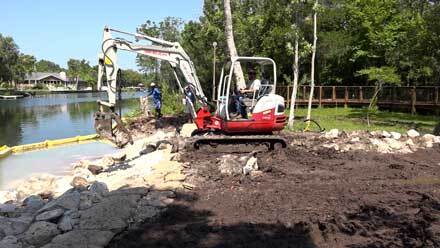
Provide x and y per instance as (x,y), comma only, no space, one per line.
(7,208)
(332,134)
(81,239)
(33,203)
(98,188)
(50,215)
(66,223)
(68,201)
(230,165)
(40,233)
(110,214)
(395,135)
(10,242)
(14,226)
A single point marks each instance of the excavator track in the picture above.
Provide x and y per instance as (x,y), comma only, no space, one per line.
(237,144)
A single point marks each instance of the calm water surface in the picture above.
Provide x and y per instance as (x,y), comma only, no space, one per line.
(53,116)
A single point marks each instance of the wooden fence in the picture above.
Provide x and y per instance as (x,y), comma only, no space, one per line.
(409,98)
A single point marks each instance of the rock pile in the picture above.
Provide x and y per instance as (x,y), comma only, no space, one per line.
(237,165)
(81,217)
(379,141)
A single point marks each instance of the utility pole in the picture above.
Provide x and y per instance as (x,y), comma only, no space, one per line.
(214,44)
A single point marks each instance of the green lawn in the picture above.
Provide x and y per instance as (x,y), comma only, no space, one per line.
(351,119)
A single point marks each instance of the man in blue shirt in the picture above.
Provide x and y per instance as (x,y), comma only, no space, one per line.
(157,98)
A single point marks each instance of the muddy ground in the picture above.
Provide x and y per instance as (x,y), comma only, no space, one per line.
(306,196)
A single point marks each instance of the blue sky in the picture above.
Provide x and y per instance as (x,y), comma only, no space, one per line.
(57,30)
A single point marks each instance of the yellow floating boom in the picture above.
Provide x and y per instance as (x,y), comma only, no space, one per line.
(5,150)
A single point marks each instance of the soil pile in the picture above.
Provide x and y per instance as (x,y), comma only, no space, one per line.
(306,195)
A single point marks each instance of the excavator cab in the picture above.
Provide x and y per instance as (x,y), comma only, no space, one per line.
(262,111)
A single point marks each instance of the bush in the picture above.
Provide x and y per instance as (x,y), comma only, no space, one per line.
(171,101)
(40,87)
(5,85)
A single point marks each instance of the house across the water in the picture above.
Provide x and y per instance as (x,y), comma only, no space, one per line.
(51,80)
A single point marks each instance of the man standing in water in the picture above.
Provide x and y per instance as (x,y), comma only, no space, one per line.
(157,99)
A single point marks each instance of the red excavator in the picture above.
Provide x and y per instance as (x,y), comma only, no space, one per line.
(217,124)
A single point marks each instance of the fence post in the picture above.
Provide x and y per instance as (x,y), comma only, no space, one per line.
(304,92)
(320,96)
(334,93)
(288,95)
(361,94)
(436,96)
(413,100)
(346,97)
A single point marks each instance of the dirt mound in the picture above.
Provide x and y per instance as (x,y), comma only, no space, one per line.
(304,196)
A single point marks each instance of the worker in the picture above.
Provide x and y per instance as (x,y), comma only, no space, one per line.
(157,98)
(189,101)
(252,87)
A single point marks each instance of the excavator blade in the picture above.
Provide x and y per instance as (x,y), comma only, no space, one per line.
(109,126)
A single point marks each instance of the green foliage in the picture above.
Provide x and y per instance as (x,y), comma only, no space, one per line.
(81,70)
(39,86)
(381,75)
(47,66)
(171,100)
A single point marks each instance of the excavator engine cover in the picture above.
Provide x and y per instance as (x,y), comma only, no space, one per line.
(117,133)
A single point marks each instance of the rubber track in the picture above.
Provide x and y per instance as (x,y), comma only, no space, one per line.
(238,139)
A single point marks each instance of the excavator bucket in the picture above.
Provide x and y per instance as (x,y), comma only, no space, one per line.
(109,126)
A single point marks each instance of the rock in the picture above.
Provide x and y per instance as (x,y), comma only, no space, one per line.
(395,135)
(95,169)
(33,203)
(164,144)
(332,146)
(229,165)
(10,242)
(87,199)
(50,215)
(106,162)
(160,199)
(68,201)
(14,226)
(119,157)
(429,138)
(187,129)
(412,133)
(386,134)
(7,196)
(7,208)
(251,165)
(178,177)
(66,223)
(110,214)
(40,233)
(175,157)
(381,146)
(148,148)
(332,134)
(394,144)
(98,188)
(145,211)
(255,174)
(79,182)
(355,140)
(81,239)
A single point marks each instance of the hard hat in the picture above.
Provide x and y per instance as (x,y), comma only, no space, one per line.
(152,84)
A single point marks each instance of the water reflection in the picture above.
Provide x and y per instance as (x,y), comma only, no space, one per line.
(52,116)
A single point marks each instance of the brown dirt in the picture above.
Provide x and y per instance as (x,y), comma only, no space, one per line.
(306,196)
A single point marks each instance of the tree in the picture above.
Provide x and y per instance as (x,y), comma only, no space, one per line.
(81,69)
(380,76)
(47,66)
(229,34)
(9,55)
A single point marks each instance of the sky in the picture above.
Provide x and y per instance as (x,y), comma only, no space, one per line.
(58,30)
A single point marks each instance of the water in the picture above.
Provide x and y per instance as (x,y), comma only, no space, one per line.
(55,161)
(53,116)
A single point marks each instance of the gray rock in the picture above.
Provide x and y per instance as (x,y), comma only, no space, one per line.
(99,188)
(10,242)
(69,201)
(33,203)
(40,233)
(66,223)
(81,239)
(110,214)
(229,165)
(7,208)
(50,215)
(87,199)
(74,214)
(14,226)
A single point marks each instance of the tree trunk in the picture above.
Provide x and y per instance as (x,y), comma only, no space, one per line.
(238,72)
(312,79)
(295,84)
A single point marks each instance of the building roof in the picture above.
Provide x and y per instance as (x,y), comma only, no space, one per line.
(42,75)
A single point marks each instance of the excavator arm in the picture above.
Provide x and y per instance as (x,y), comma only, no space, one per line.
(108,124)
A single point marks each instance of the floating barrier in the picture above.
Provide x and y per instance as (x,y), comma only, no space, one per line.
(6,151)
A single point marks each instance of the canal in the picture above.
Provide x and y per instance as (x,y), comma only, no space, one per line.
(53,116)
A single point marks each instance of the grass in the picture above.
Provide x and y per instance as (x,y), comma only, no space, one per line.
(352,119)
